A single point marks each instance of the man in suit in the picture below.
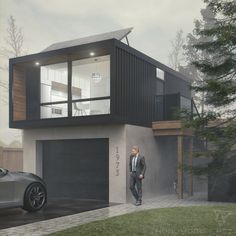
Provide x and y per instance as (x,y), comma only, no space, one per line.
(137,167)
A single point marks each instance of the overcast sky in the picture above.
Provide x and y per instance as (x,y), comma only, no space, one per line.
(45,22)
(155,22)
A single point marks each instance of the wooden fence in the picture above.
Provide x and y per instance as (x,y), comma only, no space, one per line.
(11,158)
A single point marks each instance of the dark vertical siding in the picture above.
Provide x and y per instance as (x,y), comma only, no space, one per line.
(135,91)
(159,87)
(173,84)
(133,85)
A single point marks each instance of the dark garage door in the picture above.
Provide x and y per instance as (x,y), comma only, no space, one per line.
(76,168)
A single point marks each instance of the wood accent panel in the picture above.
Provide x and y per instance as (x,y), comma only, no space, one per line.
(172,132)
(170,128)
(19,93)
(180,166)
(168,124)
(11,158)
(190,166)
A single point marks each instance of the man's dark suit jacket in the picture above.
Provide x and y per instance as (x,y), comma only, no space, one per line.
(140,165)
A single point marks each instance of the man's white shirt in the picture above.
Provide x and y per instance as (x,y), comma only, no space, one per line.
(134,161)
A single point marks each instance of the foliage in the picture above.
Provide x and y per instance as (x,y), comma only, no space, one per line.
(192,54)
(203,220)
(217,124)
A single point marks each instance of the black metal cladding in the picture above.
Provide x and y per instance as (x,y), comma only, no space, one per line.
(132,90)
(174,84)
(166,106)
(159,87)
(135,88)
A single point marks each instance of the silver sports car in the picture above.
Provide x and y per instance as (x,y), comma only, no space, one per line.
(20,189)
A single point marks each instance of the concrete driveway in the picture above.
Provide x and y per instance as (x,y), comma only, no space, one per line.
(57,224)
(54,208)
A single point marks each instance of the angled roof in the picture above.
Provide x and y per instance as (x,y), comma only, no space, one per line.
(118,34)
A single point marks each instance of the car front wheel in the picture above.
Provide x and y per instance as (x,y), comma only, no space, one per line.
(35,197)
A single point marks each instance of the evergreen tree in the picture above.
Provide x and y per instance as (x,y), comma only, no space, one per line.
(191,54)
(217,124)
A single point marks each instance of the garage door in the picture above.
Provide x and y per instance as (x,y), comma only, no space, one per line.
(76,168)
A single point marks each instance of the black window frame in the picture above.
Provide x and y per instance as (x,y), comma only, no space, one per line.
(69,100)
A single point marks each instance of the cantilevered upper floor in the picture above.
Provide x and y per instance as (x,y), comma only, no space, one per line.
(93,80)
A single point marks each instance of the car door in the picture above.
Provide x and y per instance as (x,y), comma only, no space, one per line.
(6,187)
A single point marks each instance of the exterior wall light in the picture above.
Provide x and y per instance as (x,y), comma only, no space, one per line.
(91,54)
(37,63)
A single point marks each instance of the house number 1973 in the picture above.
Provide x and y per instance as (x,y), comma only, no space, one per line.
(117,163)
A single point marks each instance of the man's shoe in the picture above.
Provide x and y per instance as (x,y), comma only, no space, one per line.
(135,202)
(138,203)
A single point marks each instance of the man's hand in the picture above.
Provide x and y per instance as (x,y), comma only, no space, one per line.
(141,176)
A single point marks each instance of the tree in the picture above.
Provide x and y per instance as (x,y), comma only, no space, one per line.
(218,123)
(191,53)
(14,41)
(176,53)
(13,47)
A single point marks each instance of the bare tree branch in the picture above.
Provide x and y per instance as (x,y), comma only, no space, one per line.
(14,37)
(13,47)
(14,40)
(176,54)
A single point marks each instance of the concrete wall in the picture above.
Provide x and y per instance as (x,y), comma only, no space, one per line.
(160,154)
(161,161)
(117,151)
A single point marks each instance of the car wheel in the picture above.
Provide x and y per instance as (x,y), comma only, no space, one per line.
(35,197)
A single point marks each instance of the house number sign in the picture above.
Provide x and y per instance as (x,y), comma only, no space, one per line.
(117,162)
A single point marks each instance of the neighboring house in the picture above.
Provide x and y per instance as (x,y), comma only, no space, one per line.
(82,105)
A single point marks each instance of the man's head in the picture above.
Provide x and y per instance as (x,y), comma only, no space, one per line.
(134,150)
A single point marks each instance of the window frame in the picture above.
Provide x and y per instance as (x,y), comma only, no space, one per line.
(69,100)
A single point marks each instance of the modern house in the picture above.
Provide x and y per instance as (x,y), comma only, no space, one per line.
(83,103)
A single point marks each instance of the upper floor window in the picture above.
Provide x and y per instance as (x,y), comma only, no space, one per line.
(91,77)
(89,85)
(91,80)
(160,74)
(54,83)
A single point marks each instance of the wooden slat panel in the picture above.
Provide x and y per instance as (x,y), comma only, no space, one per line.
(11,159)
(190,166)
(180,166)
(172,132)
(170,128)
(168,124)
(19,93)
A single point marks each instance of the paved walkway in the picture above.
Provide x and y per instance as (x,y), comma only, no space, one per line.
(65,222)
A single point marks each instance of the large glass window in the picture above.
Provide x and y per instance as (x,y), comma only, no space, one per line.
(160,73)
(185,103)
(54,110)
(54,82)
(54,91)
(90,88)
(94,107)
(91,79)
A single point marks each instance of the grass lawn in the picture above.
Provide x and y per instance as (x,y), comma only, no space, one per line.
(197,220)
